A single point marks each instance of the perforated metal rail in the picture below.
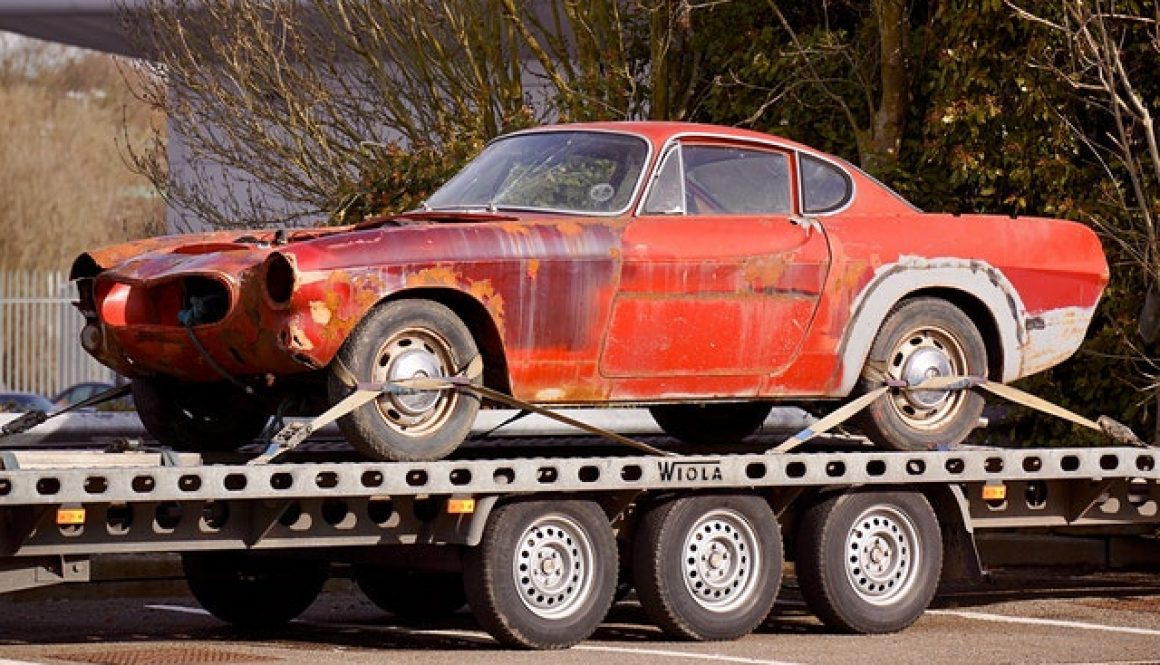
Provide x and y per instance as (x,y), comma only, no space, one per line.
(92,477)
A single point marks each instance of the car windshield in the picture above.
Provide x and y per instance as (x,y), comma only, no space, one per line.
(22,402)
(582,172)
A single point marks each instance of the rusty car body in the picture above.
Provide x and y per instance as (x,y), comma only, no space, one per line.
(703,271)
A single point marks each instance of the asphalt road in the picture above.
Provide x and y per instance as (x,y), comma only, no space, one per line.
(1040,616)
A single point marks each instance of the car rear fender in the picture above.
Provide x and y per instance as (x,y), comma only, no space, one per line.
(910,276)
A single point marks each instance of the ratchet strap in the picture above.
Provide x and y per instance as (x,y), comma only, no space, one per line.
(1108,426)
(294,433)
(33,418)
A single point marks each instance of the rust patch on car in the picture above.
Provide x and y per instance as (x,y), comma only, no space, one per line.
(515,228)
(569,229)
(320,313)
(533,268)
(484,291)
(436,276)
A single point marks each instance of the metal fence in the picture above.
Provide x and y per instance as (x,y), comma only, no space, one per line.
(40,348)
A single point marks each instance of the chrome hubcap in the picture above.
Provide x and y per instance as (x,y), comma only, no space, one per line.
(882,555)
(413,354)
(927,353)
(722,561)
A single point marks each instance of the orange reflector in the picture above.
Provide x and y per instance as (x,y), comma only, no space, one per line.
(460,506)
(994,492)
(70,516)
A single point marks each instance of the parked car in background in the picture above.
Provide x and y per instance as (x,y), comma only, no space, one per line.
(80,392)
(704,272)
(23,402)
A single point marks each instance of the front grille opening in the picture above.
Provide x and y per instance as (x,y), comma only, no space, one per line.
(204,301)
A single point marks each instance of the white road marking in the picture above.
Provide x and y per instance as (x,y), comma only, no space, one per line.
(716,657)
(1058,623)
(182,609)
(4,661)
(480,636)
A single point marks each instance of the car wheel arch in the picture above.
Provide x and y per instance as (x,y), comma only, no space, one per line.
(981,291)
(479,321)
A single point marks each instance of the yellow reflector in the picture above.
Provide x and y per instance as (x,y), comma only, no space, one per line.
(460,506)
(994,492)
(70,516)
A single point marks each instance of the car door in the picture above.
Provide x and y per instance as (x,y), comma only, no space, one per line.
(720,276)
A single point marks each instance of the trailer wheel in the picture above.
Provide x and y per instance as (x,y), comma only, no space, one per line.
(401,340)
(197,417)
(708,567)
(869,562)
(412,595)
(711,423)
(544,574)
(251,591)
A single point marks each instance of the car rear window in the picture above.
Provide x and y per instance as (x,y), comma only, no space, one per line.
(825,187)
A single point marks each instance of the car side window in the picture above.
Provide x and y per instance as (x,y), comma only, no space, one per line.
(665,196)
(728,180)
(825,187)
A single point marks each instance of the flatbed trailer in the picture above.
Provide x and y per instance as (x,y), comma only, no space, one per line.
(538,546)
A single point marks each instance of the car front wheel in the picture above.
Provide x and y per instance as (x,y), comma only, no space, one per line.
(406,339)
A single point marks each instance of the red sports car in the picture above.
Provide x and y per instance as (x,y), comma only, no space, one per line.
(703,271)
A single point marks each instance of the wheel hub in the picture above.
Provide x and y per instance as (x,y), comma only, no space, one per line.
(722,561)
(553,567)
(926,353)
(926,363)
(414,353)
(882,555)
(415,363)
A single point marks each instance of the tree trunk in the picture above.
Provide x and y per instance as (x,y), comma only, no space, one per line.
(879,144)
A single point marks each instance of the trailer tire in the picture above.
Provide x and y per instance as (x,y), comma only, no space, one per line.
(708,567)
(412,595)
(544,574)
(252,591)
(869,562)
(710,423)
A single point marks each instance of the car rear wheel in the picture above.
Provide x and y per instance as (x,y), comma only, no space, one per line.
(711,423)
(198,417)
(406,339)
(923,338)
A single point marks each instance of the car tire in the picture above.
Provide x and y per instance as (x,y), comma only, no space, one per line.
(869,562)
(400,340)
(253,591)
(921,338)
(708,567)
(711,423)
(412,595)
(196,416)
